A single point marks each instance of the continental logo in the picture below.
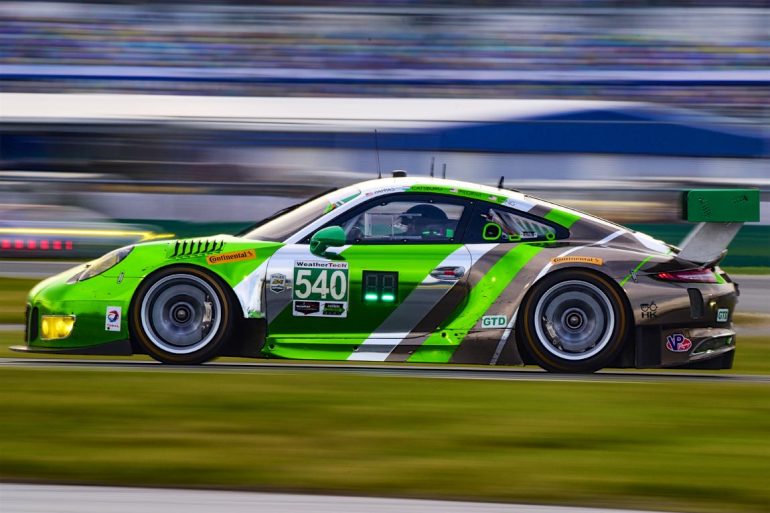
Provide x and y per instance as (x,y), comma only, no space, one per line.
(235,256)
(577,260)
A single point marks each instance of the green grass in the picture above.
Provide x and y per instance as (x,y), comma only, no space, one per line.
(13,296)
(753,270)
(752,356)
(676,446)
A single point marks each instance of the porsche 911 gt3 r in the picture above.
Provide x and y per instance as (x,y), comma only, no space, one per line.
(409,270)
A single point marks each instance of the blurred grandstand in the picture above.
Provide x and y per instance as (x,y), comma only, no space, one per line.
(712,57)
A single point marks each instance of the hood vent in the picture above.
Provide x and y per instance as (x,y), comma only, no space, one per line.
(195,247)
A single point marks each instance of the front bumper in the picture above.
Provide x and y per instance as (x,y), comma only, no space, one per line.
(115,348)
(100,306)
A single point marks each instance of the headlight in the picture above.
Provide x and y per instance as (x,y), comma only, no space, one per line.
(104,263)
(56,326)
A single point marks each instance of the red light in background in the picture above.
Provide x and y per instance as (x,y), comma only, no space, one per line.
(18,244)
(43,244)
(31,244)
(68,244)
(57,244)
(6,244)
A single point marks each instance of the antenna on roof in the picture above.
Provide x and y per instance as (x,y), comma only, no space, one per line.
(500,183)
(432,165)
(377,147)
(443,171)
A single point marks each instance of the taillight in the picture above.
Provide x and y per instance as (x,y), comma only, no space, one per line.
(690,276)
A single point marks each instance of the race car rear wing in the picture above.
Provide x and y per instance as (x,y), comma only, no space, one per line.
(720,213)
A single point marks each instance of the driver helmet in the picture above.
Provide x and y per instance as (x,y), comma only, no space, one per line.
(420,217)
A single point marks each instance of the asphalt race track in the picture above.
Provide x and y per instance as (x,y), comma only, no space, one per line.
(394,370)
(19,498)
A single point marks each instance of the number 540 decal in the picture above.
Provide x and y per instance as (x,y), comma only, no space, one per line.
(320,289)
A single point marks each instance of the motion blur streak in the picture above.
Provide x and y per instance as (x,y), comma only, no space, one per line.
(89,233)
(81,499)
(670,52)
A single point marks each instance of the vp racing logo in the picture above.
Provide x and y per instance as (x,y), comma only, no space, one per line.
(678,343)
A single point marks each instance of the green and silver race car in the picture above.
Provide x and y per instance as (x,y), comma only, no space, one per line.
(407,270)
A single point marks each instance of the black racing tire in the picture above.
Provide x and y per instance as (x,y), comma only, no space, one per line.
(182,315)
(574,321)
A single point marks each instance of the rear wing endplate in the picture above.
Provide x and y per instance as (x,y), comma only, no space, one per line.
(720,213)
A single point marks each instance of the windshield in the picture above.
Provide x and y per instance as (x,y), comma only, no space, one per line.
(283,226)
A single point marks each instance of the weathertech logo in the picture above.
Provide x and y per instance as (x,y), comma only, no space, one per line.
(317,264)
(235,256)
(577,260)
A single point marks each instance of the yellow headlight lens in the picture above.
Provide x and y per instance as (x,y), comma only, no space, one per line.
(57,326)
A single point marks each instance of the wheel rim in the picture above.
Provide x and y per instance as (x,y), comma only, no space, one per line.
(574,320)
(181,313)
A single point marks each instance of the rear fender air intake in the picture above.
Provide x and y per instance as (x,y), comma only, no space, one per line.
(696,303)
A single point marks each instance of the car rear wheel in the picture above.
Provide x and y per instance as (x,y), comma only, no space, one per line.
(574,321)
(182,316)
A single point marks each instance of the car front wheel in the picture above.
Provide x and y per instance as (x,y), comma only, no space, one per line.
(181,316)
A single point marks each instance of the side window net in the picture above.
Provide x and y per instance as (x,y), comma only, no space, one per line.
(499,226)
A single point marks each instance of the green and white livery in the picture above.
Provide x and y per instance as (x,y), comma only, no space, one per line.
(404,270)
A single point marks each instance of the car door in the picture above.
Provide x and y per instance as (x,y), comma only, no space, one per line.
(402,269)
(508,243)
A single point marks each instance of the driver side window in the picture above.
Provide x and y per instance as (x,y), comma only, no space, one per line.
(404,221)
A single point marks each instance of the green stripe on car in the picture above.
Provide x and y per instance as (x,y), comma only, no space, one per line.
(636,270)
(344,334)
(439,346)
(563,218)
(456,191)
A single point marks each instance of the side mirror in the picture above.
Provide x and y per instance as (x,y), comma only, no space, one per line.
(331,236)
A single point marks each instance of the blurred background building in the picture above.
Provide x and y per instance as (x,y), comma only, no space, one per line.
(200,116)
